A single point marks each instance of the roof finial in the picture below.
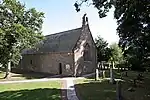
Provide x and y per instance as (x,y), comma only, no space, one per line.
(84,19)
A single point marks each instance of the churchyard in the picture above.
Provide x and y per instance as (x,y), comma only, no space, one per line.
(89,89)
(26,43)
(132,87)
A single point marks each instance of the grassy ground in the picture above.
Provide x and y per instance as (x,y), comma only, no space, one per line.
(31,91)
(95,90)
(22,76)
(13,77)
(89,89)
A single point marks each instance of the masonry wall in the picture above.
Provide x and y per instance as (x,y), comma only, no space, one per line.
(49,63)
(82,66)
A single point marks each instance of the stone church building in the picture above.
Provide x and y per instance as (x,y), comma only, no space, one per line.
(71,53)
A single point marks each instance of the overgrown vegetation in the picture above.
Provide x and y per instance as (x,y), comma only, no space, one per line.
(112,53)
(133,29)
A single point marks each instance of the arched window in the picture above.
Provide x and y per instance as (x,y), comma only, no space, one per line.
(87,55)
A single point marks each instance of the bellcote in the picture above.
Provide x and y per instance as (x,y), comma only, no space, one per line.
(84,20)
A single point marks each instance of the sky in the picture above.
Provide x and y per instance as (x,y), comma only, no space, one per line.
(60,15)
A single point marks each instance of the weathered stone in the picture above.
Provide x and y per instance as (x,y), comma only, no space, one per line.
(131,89)
(97,74)
(76,59)
(111,73)
(119,90)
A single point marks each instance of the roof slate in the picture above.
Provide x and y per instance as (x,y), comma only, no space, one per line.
(58,42)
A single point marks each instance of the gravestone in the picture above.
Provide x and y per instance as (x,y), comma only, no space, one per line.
(102,66)
(119,90)
(97,74)
(111,73)
(103,74)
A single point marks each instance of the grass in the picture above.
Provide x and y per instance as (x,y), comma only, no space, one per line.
(23,76)
(31,91)
(89,89)
(13,77)
(95,90)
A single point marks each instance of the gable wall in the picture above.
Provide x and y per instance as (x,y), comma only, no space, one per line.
(48,63)
(81,66)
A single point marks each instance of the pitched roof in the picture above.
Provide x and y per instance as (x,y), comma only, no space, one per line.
(58,42)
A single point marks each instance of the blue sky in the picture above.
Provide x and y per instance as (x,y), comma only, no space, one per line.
(60,15)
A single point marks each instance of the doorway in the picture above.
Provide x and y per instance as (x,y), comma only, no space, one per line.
(60,68)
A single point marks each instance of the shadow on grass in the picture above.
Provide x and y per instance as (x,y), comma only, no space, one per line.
(35,94)
(29,74)
(95,90)
(19,73)
(89,89)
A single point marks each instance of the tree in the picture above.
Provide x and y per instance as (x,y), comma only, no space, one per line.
(103,52)
(133,23)
(19,29)
(116,54)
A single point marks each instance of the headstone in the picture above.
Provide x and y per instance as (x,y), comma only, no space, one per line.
(111,74)
(103,74)
(102,66)
(97,74)
(119,90)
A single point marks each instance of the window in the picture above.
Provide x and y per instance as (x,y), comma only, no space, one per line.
(87,55)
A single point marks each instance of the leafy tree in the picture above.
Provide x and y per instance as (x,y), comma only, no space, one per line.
(103,52)
(133,24)
(116,54)
(19,29)
(134,57)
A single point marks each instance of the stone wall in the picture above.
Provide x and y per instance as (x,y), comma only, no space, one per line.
(49,63)
(81,66)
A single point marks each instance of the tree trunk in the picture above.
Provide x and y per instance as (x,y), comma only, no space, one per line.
(8,69)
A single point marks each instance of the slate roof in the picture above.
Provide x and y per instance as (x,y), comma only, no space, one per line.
(59,42)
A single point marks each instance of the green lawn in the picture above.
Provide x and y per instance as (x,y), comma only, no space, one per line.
(22,76)
(50,90)
(95,90)
(89,89)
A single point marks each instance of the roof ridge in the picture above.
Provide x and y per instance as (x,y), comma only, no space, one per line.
(63,31)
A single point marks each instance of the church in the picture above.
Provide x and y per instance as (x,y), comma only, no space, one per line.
(68,53)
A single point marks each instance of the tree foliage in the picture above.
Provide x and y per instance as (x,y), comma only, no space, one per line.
(103,52)
(116,54)
(19,29)
(133,19)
